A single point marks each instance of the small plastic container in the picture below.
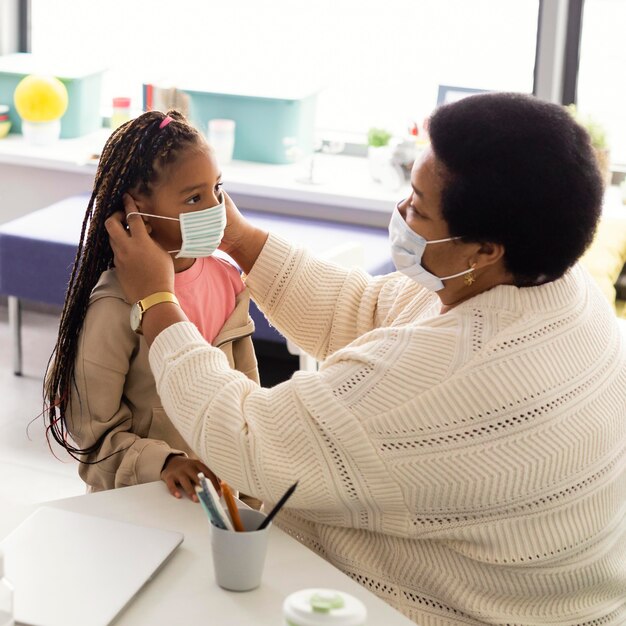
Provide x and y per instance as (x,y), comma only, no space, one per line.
(5,122)
(221,137)
(323,607)
(6,597)
(121,112)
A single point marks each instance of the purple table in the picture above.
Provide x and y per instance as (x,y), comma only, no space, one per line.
(37,252)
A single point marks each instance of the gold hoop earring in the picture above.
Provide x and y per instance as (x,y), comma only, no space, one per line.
(470,277)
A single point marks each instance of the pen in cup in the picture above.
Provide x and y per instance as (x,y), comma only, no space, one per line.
(279,505)
(203,501)
(211,503)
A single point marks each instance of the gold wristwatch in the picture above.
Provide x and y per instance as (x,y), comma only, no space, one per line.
(139,308)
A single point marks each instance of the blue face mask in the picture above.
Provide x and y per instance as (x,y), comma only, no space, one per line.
(201,231)
(407,249)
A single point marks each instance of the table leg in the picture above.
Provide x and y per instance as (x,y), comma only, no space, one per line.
(15,323)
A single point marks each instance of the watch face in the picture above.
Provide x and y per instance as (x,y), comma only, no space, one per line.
(135,316)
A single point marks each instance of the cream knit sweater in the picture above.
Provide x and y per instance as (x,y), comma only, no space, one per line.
(468,468)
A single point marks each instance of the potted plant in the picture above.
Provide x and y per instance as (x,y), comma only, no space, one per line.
(378,137)
(599,140)
(379,152)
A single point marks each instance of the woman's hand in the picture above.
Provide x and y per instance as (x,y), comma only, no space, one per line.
(142,266)
(241,240)
(181,473)
(236,227)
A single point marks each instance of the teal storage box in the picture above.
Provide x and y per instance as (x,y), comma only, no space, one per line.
(83,84)
(262,123)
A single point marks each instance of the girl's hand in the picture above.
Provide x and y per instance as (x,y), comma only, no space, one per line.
(241,240)
(181,473)
(142,266)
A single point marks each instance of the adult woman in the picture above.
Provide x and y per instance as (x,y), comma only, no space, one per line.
(460,451)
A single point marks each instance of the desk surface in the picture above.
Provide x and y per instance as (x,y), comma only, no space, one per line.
(185,592)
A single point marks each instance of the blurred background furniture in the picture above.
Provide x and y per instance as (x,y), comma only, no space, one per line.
(606,257)
(37,254)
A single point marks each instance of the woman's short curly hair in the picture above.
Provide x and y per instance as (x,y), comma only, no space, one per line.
(520,172)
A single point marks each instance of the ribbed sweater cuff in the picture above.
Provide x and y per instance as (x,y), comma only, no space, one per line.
(268,266)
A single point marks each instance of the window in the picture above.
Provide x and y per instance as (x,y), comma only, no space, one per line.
(376,63)
(602,76)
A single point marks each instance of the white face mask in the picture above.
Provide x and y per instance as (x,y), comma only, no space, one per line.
(407,248)
(201,231)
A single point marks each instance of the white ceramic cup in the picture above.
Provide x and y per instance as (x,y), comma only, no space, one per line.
(41,133)
(238,557)
(221,137)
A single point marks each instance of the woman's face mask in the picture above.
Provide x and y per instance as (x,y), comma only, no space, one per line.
(201,231)
(407,249)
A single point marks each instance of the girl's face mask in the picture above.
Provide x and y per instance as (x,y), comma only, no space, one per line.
(407,249)
(201,231)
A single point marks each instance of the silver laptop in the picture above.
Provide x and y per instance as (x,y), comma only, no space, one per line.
(71,569)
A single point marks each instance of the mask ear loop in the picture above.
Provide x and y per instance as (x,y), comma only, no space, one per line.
(161,217)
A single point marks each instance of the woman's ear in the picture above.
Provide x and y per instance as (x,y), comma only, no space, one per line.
(489,254)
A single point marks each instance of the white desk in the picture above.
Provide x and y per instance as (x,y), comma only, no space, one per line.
(32,177)
(184,591)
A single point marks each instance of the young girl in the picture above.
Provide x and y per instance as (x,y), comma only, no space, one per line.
(99,386)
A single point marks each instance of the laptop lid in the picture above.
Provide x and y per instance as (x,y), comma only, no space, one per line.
(71,569)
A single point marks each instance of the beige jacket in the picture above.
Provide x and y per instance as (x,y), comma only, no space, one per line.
(115,398)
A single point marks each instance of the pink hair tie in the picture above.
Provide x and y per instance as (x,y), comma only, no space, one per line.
(166,120)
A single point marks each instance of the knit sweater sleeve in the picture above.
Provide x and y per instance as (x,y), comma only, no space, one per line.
(261,440)
(318,305)
(314,428)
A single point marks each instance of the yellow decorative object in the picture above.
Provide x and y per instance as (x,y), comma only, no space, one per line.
(40,98)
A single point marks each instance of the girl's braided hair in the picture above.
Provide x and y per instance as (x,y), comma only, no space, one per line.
(133,158)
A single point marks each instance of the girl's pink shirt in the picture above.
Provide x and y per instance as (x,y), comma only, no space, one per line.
(207,292)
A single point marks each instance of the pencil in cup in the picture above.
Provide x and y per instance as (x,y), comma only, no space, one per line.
(231,505)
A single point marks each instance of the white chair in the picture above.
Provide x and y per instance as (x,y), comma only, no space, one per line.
(350,254)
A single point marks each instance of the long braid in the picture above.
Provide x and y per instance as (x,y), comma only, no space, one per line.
(132,159)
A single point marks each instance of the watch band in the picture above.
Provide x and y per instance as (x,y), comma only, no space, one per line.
(140,307)
(157,298)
